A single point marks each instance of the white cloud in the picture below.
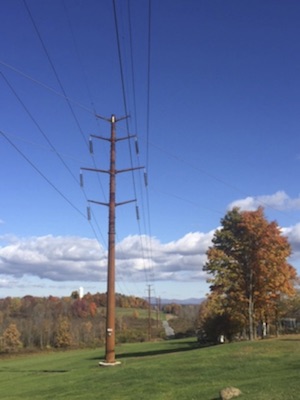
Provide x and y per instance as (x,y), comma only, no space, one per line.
(82,259)
(293,235)
(5,282)
(55,258)
(138,259)
(176,260)
(279,201)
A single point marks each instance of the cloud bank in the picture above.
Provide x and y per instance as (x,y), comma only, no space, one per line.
(63,259)
(138,258)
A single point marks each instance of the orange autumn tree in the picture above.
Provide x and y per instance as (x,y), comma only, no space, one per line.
(249,268)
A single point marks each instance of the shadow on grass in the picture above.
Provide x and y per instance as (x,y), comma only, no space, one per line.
(36,371)
(185,346)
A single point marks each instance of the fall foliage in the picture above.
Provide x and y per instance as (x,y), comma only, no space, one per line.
(53,322)
(40,322)
(11,339)
(63,334)
(249,269)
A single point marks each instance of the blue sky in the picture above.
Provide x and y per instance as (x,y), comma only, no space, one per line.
(216,112)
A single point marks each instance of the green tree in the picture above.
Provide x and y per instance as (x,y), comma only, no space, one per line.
(248,264)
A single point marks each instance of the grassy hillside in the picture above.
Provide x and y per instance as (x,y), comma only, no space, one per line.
(167,370)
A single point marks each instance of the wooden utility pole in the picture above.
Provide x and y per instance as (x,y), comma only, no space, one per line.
(110,312)
(112,204)
(149,313)
(157,312)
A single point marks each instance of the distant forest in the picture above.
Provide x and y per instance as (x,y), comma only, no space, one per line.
(45,323)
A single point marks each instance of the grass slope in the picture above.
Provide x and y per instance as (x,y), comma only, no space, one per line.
(169,370)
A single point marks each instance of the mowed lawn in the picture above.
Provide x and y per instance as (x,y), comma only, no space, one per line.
(168,370)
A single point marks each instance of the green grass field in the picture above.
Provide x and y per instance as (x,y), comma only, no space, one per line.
(142,313)
(167,370)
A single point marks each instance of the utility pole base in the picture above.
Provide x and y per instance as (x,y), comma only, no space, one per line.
(107,364)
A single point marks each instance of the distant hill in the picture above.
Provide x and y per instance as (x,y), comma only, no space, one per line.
(190,301)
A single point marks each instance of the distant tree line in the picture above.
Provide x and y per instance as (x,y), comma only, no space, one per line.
(51,322)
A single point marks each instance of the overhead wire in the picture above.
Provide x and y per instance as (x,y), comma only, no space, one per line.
(123,89)
(54,71)
(87,87)
(41,173)
(42,147)
(83,71)
(148,117)
(124,94)
(212,176)
(148,113)
(68,100)
(136,130)
(144,238)
(6,136)
(38,126)
(63,95)
(148,85)
(50,89)
(79,59)
(53,148)
(132,66)
(61,88)
(148,82)
(188,201)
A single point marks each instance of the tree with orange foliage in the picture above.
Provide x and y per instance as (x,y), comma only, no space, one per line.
(11,338)
(63,334)
(249,268)
(93,309)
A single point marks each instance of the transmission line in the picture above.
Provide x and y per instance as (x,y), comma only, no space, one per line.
(50,89)
(41,174)
(54,71)
(38,126)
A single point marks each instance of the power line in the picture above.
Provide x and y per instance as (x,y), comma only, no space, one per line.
(149,243)
(135,121)
(6,136)
(124,94)
(189,201)
(50,89)
(214,177)
(79,58)
(54,70)
(59,82)
(132,65)
(120,58)
(148,123)
(45,136)
(148,81)
(42,174)
(38,126)
(149,255)
(63,95)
